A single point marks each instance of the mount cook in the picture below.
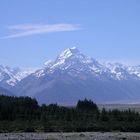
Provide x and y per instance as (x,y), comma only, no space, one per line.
(73,76)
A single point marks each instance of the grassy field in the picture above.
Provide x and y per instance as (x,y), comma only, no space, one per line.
(70,136)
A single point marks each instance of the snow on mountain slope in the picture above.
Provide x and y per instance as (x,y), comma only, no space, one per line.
(7,74)
(24,73)
(11,76)
(118,71)
(134,70)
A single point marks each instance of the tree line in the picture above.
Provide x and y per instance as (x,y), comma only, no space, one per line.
(24,114)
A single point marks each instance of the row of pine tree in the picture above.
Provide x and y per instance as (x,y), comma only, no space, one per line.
(23,114)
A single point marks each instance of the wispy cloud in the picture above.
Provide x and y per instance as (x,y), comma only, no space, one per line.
(22,30)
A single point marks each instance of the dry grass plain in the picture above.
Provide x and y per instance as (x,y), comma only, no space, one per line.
(121,107)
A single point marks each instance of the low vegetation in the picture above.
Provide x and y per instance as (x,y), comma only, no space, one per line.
(23,114)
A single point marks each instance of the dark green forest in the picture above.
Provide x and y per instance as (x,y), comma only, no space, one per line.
(23,114)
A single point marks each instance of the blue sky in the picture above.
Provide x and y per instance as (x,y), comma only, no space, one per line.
(33,31)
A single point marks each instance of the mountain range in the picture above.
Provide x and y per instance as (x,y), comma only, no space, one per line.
(73,76)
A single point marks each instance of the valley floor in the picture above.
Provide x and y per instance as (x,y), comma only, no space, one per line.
(71,136)
(121,107)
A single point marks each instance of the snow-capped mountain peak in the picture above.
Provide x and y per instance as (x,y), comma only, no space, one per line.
(72,61)
(48,63)
(68,53)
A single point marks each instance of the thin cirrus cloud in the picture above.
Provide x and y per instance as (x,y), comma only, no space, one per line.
(23,30)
